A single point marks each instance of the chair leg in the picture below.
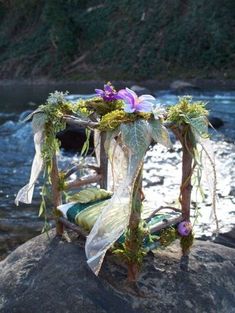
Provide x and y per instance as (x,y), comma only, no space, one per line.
(56,194)
(134,240)
(59,228)
(185,189)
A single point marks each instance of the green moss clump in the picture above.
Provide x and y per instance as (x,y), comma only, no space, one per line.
(80,107)
(54,123)
(61,182)
(146,116)
(186,243)
(186,109)
(113,119)
(167,236)
(133,250)
(56,111)
(99,106)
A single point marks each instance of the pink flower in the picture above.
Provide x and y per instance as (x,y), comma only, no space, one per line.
(133,103)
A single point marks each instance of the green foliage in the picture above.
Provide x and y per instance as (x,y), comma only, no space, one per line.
(38,36)
(126,252)
(63,29)
(86,145)
(44,37)
(185,110)
(159,133)
(199,126)
(191,119)
(164,36)
(53,125)
(45,195)
(136,137)
(53,110)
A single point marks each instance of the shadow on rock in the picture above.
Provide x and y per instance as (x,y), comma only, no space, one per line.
(51,275)
(226,239)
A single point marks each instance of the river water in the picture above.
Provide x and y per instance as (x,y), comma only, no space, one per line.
(18,224)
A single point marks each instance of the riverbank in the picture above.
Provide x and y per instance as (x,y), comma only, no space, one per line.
(117,39)
(221,84)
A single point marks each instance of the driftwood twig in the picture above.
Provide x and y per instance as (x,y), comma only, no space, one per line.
(81,182)
(72,120)
(72,226)
(159,209)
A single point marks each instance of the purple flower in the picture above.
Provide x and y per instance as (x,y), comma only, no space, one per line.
(108,94)
(184,228)
(133,103)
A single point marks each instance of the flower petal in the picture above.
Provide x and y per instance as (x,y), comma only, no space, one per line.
(99,91)
(132,93)
(128,108)
(144,106)
(122,93)
(126,96)
(147,97)
(108,88)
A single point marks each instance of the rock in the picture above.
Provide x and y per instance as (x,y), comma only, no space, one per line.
(140,90)
(216,122)
(232,191)
(155,180)
(182,87)
(52,276)
(24,114)
(226,239)
(73,138)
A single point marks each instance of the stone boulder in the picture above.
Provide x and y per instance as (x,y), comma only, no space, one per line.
(216,122)
(140,90)
(51,275)
(73,138)
(227,238)
(182,87)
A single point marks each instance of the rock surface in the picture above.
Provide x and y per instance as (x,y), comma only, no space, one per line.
(140,90)
(180,87)
(216,122)
(52,276)
(73,138)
